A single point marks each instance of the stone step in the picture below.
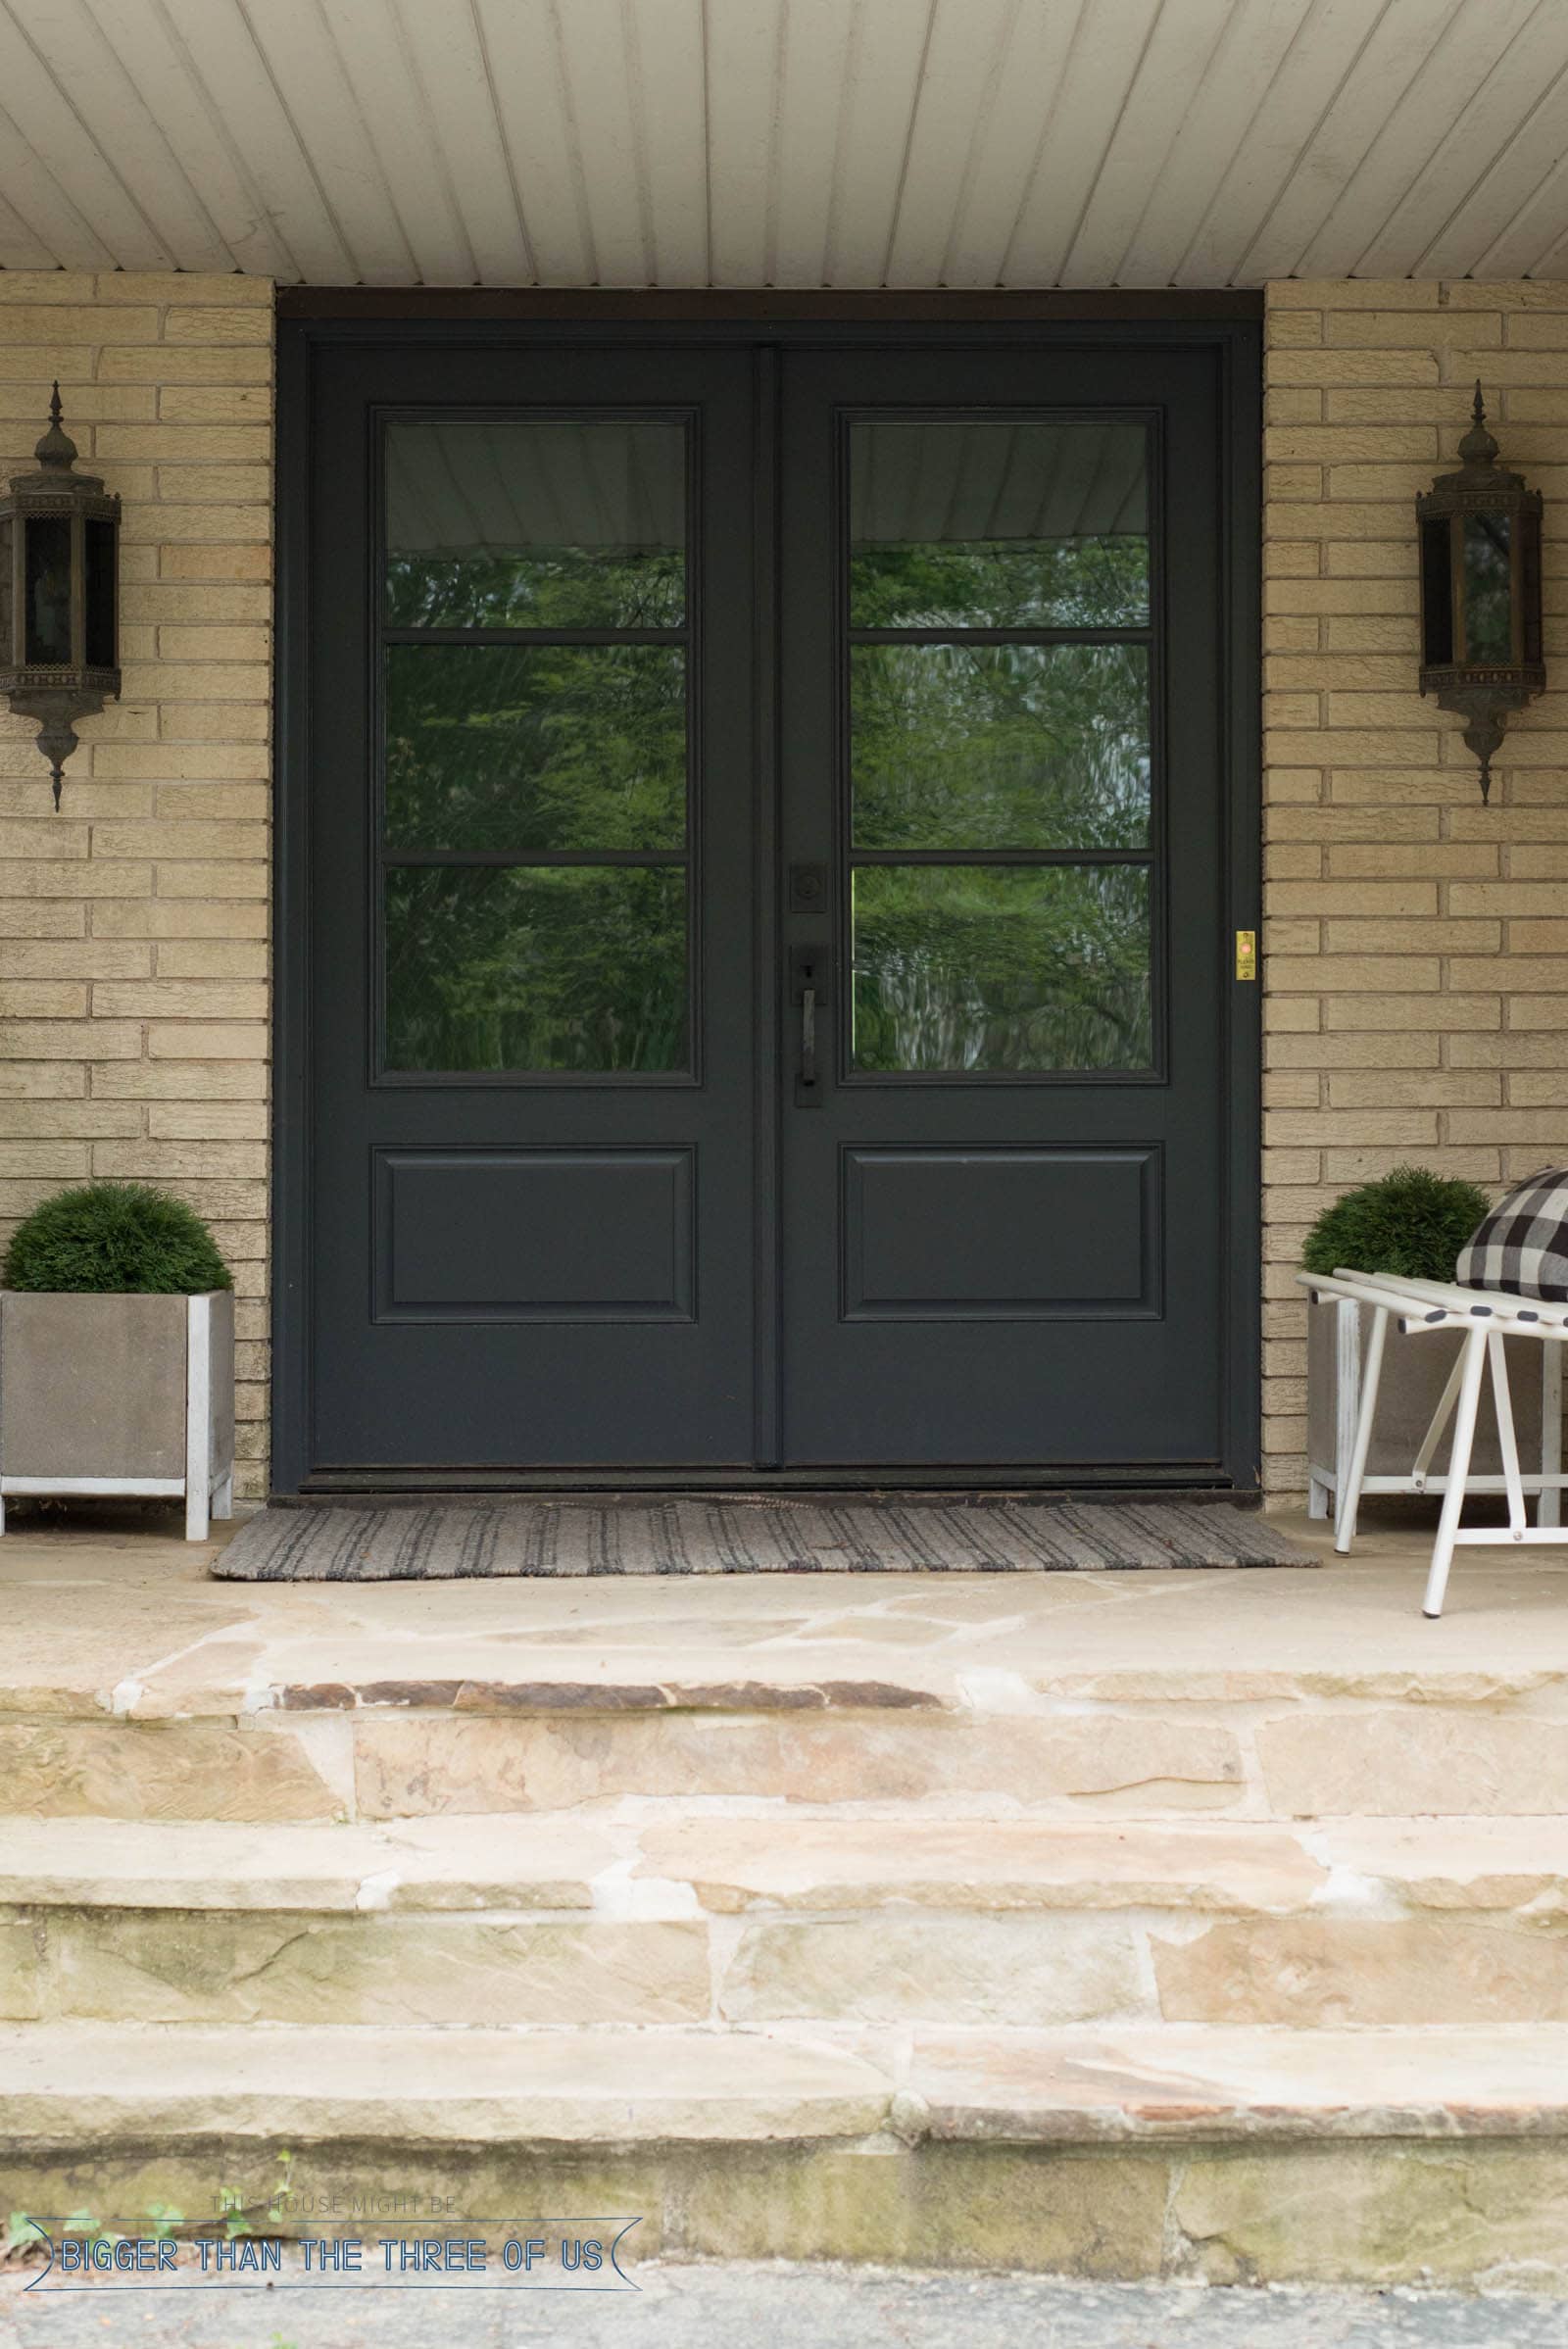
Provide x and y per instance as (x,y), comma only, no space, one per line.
(1130,1744)
(1377,2155)
(691,1919)
(133,1686)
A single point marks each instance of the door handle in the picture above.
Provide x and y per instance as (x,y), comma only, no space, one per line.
(808,988)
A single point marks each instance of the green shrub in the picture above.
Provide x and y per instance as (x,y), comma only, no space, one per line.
(110,1239)
(1411,1222)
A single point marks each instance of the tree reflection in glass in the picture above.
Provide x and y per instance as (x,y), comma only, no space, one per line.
(536,747)
(1001,970)
(983,746)
(512,967)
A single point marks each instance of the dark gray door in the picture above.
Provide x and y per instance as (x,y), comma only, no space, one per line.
(533,884)
(1004,844)
(765,901)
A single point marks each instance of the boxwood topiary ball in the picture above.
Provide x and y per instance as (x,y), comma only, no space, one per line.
(113,1240)
(1411,1223)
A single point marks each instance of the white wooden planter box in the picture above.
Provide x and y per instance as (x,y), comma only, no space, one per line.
(119,1394)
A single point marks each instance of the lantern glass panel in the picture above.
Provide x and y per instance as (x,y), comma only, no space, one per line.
(1529,585)
(48,591)
(1487,588)
(100,595)
(1437,596)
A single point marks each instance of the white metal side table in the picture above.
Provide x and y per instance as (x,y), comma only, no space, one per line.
(1486,1316)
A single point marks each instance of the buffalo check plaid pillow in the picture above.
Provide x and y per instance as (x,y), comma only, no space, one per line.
(1522,1246)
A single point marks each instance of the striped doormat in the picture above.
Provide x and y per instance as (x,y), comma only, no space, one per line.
(439,1541)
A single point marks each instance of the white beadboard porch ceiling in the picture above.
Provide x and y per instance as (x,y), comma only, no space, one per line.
(795,143)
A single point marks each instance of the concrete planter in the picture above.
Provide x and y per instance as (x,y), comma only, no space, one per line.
(131,1394)
(1415,1370)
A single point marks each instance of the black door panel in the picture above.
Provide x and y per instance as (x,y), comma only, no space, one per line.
(532,912)
(1001,689)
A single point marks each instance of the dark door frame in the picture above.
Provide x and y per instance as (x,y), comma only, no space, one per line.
(1226,323)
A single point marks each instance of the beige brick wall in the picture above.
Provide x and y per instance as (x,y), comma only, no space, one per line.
(133,925)
(1416,942)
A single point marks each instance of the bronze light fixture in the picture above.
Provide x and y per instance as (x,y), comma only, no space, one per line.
(59,595)
(1481,592)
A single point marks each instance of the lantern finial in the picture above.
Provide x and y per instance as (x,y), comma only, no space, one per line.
(57,451)
(1478,448)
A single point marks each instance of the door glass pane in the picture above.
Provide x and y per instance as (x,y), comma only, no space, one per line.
(1002,969)
(536,525)
(986,746)
(969,523)
(1488,629)
(536,747)
(536,969)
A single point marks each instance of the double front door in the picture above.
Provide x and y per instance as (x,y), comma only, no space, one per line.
(766,921)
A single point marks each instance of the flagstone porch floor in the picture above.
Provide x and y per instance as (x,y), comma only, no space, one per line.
(1200,1924)
(113,1613)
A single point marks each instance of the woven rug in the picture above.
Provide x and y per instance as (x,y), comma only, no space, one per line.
(439,1541)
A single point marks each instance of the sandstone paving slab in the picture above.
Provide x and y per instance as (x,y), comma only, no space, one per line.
(498,1673)
(195,1864)
(741,1863)
(485,1679)
(1327,1972)
(492,1971)
(1195,2081)
(1426,1760)
(86,2084)
(724,1863)
(422,1764)
(203,1768)
(1449,1863)
(898,1967)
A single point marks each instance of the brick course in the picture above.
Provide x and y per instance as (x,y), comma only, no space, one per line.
(133,926)
(1415,980)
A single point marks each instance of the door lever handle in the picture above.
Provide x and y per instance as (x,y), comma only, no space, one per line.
(808,973)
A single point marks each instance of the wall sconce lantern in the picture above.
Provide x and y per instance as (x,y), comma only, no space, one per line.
(59,595)
(1481,592)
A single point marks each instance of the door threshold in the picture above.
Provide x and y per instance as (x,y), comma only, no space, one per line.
(346,1488)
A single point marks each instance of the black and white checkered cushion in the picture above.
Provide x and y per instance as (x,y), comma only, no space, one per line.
(1522,1246)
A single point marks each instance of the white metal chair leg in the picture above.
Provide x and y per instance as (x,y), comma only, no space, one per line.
(1440,1420)
(1548,1506)
(1507,1438)
(1473,1362)
(1348,1498)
